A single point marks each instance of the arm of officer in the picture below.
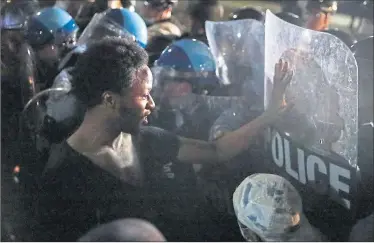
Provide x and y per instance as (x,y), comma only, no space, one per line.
(228,146)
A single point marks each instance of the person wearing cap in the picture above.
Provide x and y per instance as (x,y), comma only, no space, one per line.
(320,12)
(269,208)
(158,16)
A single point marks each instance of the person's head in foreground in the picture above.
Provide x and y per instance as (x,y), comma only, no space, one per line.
(113,81)
(269,208)
(124,230)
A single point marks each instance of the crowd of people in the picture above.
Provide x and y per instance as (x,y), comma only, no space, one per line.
(122,123)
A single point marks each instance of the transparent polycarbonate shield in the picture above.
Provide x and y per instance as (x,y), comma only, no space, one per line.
(99,27)
(324,87)
(238,49)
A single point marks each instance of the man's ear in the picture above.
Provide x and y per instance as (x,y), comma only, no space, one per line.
(108,99)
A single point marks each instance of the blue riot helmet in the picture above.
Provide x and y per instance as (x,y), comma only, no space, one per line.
(131,22)
(186,61)
(52,26)
(115,22)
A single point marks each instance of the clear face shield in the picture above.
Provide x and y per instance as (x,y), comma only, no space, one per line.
(101,26)
(166,80)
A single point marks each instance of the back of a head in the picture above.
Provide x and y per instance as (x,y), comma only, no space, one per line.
(267,206)
(124,230)
(106,65)
(342,35)
(247,13)
(290,18)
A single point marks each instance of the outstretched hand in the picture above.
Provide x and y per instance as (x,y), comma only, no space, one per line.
(282,77)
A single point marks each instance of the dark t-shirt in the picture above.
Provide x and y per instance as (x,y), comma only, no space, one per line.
(77,195)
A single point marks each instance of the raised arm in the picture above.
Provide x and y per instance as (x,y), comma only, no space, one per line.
(228,146)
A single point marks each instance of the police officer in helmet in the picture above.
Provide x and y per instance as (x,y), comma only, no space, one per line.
(158,16)
(50,40)
(183,73)
(320,12)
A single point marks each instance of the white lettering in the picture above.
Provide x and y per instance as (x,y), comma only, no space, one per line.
(310,163)
(301,165)
(306,170)
(335,173)
(287,158)
(277,142)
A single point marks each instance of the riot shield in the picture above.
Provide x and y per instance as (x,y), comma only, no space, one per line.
(99,27)
(238,49)
(321,129)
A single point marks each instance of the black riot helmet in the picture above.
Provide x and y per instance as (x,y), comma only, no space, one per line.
(327,6)
(363,48)
(344,36)
(161,4)
(14,13)
(290,18)
(247,13)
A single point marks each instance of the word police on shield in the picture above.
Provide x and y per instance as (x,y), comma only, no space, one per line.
(321,129)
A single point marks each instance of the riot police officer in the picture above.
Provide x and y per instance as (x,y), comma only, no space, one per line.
(158,16)
(319,13)
(50,40)
(184,72)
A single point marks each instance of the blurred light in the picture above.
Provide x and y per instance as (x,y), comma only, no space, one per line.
(16,169)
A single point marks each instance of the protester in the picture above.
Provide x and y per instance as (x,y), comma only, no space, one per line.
(154,169)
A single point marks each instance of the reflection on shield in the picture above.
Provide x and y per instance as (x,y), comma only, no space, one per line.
(238,49)
(324,87)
